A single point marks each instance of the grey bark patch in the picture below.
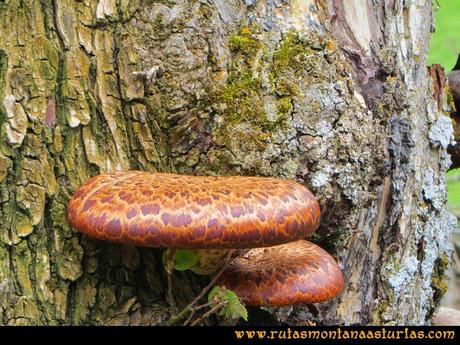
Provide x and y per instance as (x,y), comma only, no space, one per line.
(441,132)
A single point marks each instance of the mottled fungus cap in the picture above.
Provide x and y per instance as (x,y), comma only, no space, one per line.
(291,273)
(168,210)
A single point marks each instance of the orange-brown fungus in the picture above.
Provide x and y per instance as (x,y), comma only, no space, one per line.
(168,210)
(291,273)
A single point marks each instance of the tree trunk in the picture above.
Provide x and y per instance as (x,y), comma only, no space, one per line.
(333,94)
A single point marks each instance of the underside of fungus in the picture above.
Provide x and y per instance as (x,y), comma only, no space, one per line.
(209,260)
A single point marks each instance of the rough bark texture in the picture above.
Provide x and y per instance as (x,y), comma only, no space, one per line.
(334,94)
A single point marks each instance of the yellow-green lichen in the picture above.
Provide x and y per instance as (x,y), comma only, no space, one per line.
(439,278)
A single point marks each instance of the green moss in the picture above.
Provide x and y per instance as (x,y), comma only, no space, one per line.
(261,88)
(439,278)
(284,106)
(309,58)
(439,285)
(286,87)
(254,139)
(292,52)
(444,262)
(245,41)
(241,98)
(288,60)
(5,165)
(26,308)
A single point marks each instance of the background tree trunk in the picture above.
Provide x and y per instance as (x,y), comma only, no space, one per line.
(334,94)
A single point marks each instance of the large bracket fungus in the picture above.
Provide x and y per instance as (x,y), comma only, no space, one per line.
(177,211)
(209,213)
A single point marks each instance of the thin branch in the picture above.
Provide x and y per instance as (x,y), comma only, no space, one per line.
(190,317)
(189,308)
(209,312)
(169,273)
(195,309)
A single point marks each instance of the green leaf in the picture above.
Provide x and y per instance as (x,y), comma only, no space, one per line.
(230,296)
(185,259)
(234,310)
(234,307)
(214,293)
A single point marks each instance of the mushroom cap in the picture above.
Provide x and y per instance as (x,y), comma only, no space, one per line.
(291,273)
(169,210)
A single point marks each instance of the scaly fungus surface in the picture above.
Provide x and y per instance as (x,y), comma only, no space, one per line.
(177,211)
(286,274)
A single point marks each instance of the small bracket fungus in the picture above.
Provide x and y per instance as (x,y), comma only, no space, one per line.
(290,273)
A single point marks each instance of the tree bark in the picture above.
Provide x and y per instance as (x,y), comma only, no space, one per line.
(333,94)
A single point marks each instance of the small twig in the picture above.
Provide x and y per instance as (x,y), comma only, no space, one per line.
(190,317)
(169,273)
(198,307)
(195,309)
(213,281)
(209,312)
(189,307)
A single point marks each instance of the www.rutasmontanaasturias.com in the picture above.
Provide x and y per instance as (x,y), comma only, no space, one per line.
(342,333)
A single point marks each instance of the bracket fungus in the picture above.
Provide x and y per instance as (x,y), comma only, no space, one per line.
(203,212)
(210,214)
(286,274)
